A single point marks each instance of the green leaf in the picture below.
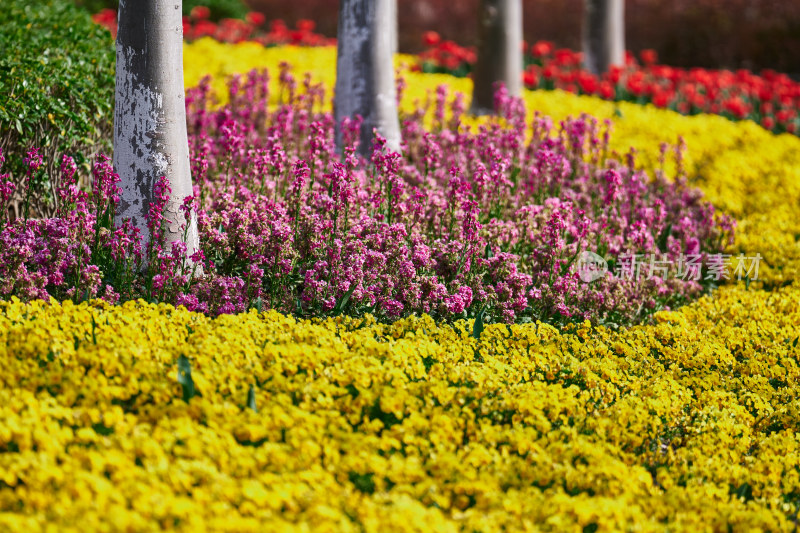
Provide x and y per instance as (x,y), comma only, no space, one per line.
(488,253)
(477,327)
(363,482)
(251,399)
(663,237)
(342,304)
(185,378)
(94,328)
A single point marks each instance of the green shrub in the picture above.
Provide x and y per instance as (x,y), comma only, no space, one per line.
(56,87)
(95,6)
(220,9)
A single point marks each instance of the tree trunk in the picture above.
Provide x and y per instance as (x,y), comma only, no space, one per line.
(603,35)
(365,83)
(150,138)
(393,28)
(499,52)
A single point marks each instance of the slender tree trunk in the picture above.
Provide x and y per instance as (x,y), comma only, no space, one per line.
(150,138)
(365,83)
(499,52)
(393,28)
(603,34)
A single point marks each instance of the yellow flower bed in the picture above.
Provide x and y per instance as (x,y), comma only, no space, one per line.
(688,424)
(744,170)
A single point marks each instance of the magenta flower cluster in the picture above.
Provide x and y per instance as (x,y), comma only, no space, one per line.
(459,224)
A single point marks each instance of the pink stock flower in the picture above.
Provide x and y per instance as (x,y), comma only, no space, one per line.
(458,223)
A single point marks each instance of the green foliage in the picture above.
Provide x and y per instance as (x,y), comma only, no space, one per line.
(363,482)
(56,87)
(477,326)
(461,71)
(341,305)
(251,399)
(185,378)
(220,9)
(95,6)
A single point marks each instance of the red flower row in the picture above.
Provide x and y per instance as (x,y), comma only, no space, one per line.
(771,99)
(197,25)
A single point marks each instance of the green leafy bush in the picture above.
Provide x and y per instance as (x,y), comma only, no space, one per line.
(95,6)
(56,87)
(219,9)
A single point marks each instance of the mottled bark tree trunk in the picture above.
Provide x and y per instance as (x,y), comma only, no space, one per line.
(150,137)
(365,83)
(499,52)
(603,34)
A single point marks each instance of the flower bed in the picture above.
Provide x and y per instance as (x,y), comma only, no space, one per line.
(462,224)
(145,416)
(770,99)
(744,170)
(469,259)
(688,423)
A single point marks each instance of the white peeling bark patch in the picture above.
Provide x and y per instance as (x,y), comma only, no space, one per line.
(135,158)
(365,83)
(150,137)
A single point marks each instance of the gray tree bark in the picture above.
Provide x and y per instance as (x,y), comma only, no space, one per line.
(393,38)
(365,83)
(150,137)
(499,52)
(603,34)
